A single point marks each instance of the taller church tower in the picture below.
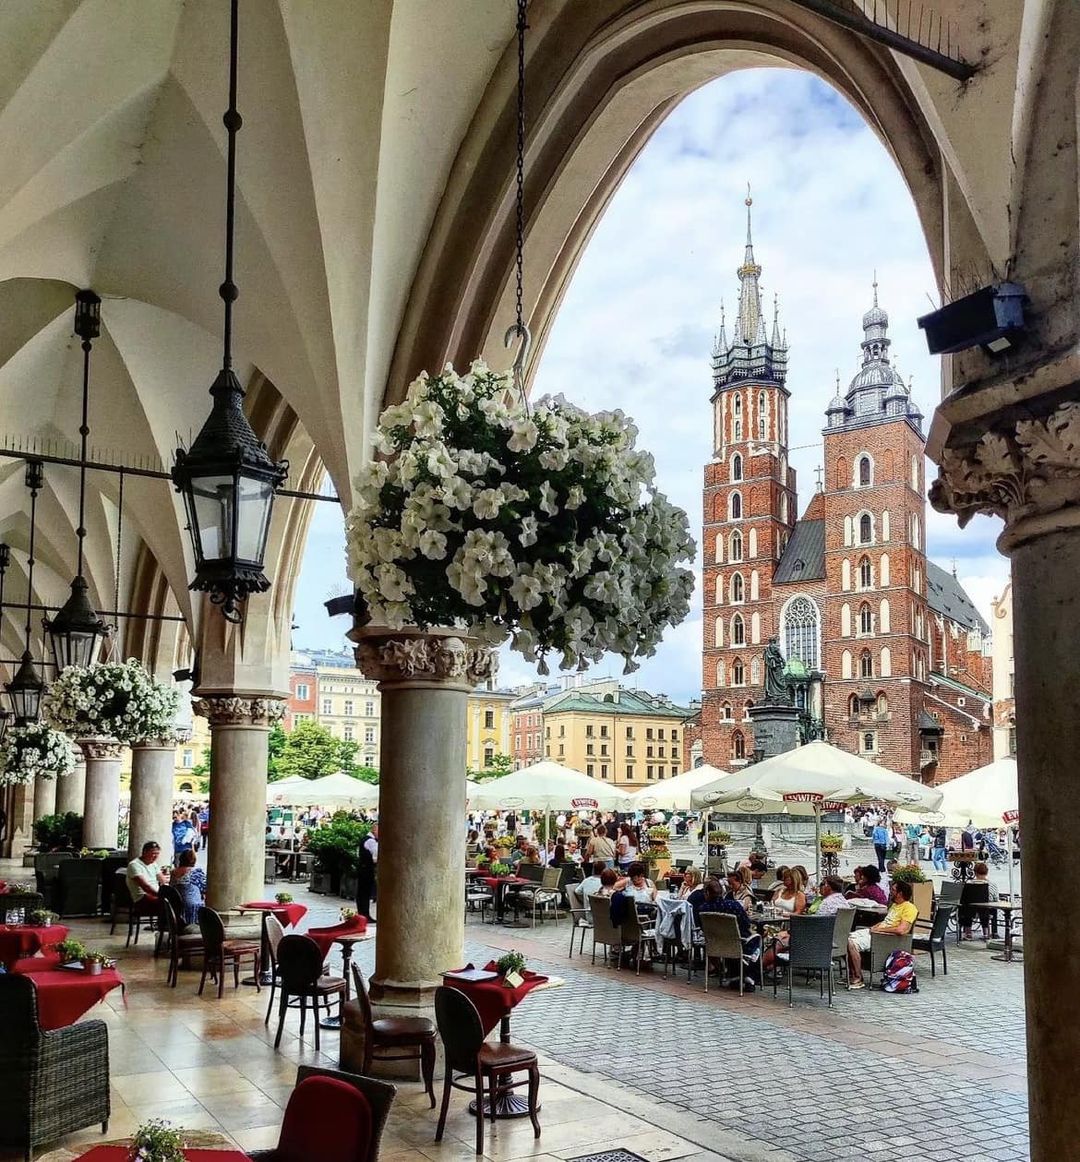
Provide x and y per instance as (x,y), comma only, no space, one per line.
(748,512)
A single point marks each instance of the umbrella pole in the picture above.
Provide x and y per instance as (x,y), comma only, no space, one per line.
(1009,853)
(817,843)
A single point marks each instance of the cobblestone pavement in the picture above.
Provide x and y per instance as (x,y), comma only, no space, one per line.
(923,1078)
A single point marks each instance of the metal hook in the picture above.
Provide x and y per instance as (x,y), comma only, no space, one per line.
(519,331)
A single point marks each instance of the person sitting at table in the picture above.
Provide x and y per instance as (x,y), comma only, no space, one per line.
(830,899)
(531,856)
(811,894)
(714,900)
(472,846)
(558,856)
(691,882)
(609,879)
(790,898)
(966,915)
(898,921)
(190,882)
(592,883)
(637,887)
(600,846)
(781,872)
(144,876)
(868,886)
(738,882)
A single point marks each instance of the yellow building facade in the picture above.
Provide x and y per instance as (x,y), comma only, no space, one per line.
(487,730)
(624,737)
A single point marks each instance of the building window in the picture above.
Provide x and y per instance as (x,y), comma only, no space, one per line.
(866,618)
(369,734)
(189,758)
(866,664)
(736,467)
(736,546)
(738,673)
(674,735)
(868,742)
(629,732)
(865,472)
(589,769)
(800,631)
(603,730)
(882,705)
(648,732)
(489,755)
(725,712)
(327,706)
(738,745)
(648,772)
(630,752)
(348,707)
(562,750)
(738,589)
(648,752)
(761,427)
(489,719)
(603,770)
(302,691)
(736,506)
(1012,740)
(369,709)
(866,529)
(866,573)
(738,631)
(562,730)
(663,752)
(603,748)
(589,748)
(347,732)
(853,706)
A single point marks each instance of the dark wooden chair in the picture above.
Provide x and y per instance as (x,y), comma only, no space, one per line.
(178,943)
(395,1038)
(78,890)
(934,940)
(299,974)
(123,906)
(476,1061)
(219,952)
(51,1082)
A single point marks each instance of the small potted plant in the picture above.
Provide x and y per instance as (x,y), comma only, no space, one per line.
(659,861)
(93,962)
(42,917)
(832,842)
(500,869)
(510,962)
(70,951)
(908,873)
(347,915)
(157,1141)
(283,898)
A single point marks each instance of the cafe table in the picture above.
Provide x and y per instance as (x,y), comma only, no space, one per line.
(287,915)
(345,934)
(494,1001)
(1007,909)
(499,885)
(19,940)
(65,994)
(123,1153)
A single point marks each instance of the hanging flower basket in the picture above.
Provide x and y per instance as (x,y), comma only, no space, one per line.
(117,700)
(547,530)
(29,751)
(832,842)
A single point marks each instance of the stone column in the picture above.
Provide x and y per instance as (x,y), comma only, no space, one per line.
(71,790)
(424,679)
(1028,472)
(239,729)
(101,811)
(152,765)
(44,797)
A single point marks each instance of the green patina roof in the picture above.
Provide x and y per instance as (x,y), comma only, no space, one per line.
(630,702)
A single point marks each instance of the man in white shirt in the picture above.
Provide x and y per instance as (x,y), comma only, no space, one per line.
(367,862)
(144,876)
(832,897)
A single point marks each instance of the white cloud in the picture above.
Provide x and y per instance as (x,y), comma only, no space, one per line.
(635,329)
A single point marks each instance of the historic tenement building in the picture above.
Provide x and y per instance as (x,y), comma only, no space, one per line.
(894,656)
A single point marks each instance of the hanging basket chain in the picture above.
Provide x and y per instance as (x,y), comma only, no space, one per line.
(116,578)
(519,330)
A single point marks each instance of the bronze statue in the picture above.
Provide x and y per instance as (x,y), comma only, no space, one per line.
(777,690)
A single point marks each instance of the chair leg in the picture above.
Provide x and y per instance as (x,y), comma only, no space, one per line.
(427,1067)
(315,1020)
(830,984)
(478,1085)
(944,959)
(933,971)
(270,1006)
(284,1006)
(534,1093)
(493,1099)
(445,1105)
(205,970)
(257,958)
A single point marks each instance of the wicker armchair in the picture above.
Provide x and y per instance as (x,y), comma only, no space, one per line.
(28,901)
(51,1083)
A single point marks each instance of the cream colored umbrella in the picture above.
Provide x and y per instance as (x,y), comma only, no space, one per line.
(547,786)
(336,790)
(674,794)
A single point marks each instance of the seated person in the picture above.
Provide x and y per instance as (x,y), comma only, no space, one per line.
(691,882)
(636,886)
(899,920)
(966,914)
(713,900)
(592,883)
(758,867)
(778,886)
(790,898)
(831,899)
(190,882)
(609,878)
(867,886)
(531,856)
(738,885)
(144,876)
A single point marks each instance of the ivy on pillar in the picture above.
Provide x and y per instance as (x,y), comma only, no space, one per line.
(239,732)
(424,679)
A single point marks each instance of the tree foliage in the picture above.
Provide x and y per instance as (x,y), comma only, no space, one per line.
(501,764)
(311,751)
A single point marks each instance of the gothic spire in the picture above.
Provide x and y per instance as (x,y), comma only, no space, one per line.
(721,342)
(750,326)
(777,343)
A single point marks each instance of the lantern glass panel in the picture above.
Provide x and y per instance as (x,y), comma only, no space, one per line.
(211,520)
(255,500)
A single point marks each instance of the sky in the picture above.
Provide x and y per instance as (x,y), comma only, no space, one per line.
(636,327)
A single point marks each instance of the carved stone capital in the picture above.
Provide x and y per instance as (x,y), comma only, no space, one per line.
(437,657)
(1029,475)
(100,748)
(163,742)
(240,710)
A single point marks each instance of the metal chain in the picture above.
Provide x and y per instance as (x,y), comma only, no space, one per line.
(519,330)
(119,536)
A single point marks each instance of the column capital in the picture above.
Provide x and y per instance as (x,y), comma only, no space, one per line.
(100,748)
(162,742)
(1026,471)
(435,657)
(240,709)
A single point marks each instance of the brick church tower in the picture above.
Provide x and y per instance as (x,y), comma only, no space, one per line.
(876,619)
(749,511)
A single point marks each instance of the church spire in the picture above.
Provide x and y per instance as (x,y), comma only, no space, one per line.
(750,326)
(721,342)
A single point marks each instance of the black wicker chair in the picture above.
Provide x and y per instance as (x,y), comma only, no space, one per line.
(78,892)
(934,940)
(28,901)
(47,873)
(810,948)
(51,1082)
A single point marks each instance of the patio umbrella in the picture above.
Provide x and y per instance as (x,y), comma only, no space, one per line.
(810,779)
(674,794)
(336,790)
(277,794)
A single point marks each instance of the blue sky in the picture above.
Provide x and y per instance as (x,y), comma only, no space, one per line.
(636,327)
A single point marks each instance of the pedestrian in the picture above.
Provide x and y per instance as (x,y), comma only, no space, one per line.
(881,838)
(938,850)
(913,833)
(366,873)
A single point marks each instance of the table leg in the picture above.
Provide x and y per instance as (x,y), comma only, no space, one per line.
(509,1104)
(338,1021)
(1007,952)
(266,977)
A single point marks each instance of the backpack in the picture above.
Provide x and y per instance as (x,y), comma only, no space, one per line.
(898,975)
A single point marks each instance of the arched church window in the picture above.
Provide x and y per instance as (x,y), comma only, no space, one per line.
(736,546)
(736,467)
(738,631)
(738,673)
(738,589)
(799,631)
(736,506)
(738,745)
(725,712)
(866,664)
(853,706)
(866,573)
(866,473)
(866,529)
(866,618)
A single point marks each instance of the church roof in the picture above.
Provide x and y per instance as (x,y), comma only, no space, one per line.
(804,555)
(945,595)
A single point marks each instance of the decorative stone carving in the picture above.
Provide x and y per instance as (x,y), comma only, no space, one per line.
(100,748)
(240,710)
(412,655)
(1030,472)
(164,742)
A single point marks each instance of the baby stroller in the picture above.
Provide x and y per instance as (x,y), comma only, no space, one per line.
(994,852)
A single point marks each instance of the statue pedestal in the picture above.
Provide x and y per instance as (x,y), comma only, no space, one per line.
(776,728)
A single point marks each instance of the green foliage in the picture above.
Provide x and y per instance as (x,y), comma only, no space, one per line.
(41,917)
(283,898)
(655,854)
(830,841)
(501,764)
(275,745)
(53,831)
(660,832)
(510,962)
(335,844)
(157,1141)
(720,837)
(311,751)
(500,869)
(70,950)
(909,873)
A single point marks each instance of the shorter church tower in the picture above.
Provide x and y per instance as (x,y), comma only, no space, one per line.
(748,514)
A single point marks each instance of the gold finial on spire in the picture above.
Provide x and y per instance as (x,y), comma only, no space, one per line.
(875,287)
(748,202)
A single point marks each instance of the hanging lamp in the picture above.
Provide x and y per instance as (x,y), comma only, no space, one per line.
(27,686)
(227,478)
(76,632)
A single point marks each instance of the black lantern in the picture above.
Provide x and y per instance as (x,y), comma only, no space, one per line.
(76,631)
(227,477)
(25,691)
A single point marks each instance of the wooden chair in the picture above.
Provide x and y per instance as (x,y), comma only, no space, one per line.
(416,1035)
(476,1061)
(275,933)
(180,944)
(299,970)
(935,939)
(219,952)
(328,1117)
(722,942)
(123,905)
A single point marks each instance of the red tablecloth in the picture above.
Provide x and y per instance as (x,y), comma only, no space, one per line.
(122,1153)
(287,914)
(494,881)
(493,1000)
(26,940)
(64,995)
(324,937)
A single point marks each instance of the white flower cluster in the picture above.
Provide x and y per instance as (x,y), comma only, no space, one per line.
(546,529)
(29,751)
(111,700)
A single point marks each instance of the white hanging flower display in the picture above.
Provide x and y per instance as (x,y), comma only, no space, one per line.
(111,700)
(32,750)
(545,529)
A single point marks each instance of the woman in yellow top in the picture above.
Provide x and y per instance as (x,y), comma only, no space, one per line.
(899,920)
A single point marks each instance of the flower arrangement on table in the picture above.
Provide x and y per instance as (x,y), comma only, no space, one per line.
(157,1141)
(93,961)
(832,842)
(32,750)
(70,950)
(89,853)
(117,700)
(347,915)
(283,898)
(545,529)
(908,873)
(504,842)
(510,962)
(500,869)
(42,917)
